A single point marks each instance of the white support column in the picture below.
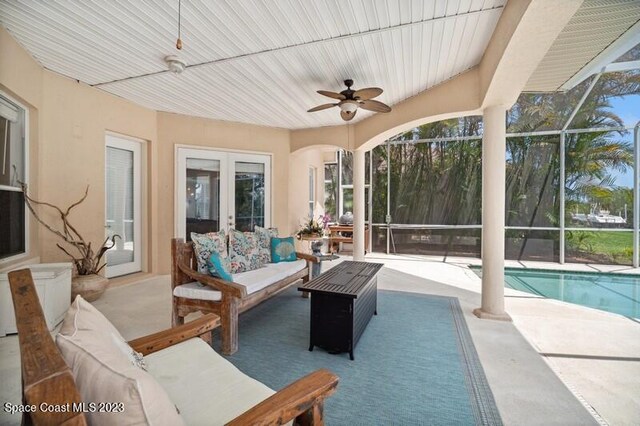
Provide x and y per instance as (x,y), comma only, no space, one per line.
(493,216)
(358,205)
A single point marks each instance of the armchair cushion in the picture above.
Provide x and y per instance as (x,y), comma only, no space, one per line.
(206,244)
(104,373)
(207,388)
(244,251)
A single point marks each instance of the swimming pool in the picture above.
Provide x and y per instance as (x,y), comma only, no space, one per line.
(615,293)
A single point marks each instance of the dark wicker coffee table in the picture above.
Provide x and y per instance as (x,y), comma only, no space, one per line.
(343,300)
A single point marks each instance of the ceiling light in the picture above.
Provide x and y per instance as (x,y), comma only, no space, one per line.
(175,64)
(348,106)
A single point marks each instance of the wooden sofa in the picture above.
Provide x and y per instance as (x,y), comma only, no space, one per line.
(233,298)
(46,378)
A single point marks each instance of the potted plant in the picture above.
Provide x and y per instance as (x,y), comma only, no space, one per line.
(88,263)
(311,228)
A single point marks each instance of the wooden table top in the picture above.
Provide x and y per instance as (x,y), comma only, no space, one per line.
(346,279)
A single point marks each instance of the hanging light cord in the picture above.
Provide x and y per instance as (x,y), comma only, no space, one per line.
(179,41)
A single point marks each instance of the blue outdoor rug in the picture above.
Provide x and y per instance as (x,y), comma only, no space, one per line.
(415,364)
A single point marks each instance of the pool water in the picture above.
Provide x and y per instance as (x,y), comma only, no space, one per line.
(615,293)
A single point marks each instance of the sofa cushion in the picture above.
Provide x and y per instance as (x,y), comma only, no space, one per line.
(283,250)
(257,280)
(253,280)
(244,251)
(103,373)
(195,290)
(205,244)
(208,389)
(264,240)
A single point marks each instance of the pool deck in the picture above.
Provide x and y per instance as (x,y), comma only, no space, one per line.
(556,364)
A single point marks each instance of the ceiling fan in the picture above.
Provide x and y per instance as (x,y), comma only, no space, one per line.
(351,100)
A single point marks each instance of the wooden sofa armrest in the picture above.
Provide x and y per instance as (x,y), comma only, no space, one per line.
(302,400)
(169,337)
(231,288)
(308,257)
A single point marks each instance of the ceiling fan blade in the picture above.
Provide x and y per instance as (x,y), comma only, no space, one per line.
(333,95)
(346,116)
(375,106)
(321,107)
(368,93)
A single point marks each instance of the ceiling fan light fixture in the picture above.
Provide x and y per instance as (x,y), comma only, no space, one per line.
(349,107)
(175,64)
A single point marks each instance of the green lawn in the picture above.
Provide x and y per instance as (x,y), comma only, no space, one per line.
(616,246)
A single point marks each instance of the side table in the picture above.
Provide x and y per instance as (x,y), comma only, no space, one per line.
(316,243)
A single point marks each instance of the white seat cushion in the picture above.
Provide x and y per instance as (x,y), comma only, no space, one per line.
(254,280)
(207,388)
(195,290)
(258,279)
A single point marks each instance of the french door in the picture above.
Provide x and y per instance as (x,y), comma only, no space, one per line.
(123,200)
(221,190)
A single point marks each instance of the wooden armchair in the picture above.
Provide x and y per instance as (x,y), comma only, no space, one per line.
(46,378)
(234,298)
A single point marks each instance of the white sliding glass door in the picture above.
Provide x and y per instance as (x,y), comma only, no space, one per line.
(221,190)
(123,205)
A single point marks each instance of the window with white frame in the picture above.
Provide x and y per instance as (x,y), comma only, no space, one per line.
(331,190)
(345,180)
(13,128)
(312,190)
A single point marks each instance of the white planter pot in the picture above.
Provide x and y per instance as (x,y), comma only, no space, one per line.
(53,285)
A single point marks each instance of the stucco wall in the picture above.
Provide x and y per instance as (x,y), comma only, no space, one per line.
(299,164)
(74,121)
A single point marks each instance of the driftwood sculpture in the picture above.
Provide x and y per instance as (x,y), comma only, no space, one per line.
(89,261)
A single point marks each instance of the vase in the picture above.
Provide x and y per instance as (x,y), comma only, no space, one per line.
(90,287)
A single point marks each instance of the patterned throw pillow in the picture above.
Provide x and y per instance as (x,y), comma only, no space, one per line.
(220,267)
(205,244)
(283,250)
(264,239)
(244,251)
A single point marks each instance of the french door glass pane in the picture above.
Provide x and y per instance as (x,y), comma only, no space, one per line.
(203,196)
(120,205)
(249,195)
(347,200)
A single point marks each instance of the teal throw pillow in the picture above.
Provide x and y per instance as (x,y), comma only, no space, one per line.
(283,250)
(219,267)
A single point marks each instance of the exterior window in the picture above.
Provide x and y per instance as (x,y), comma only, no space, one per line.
(13,124)
(330,189)
(312,190)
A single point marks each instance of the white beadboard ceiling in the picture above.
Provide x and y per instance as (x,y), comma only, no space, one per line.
(595,26)
(255,61)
